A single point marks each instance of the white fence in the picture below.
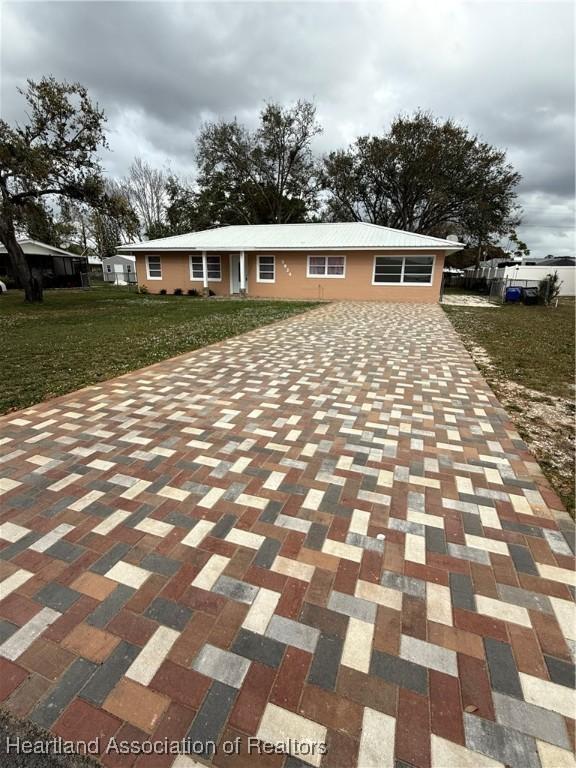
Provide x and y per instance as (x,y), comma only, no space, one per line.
(525,275)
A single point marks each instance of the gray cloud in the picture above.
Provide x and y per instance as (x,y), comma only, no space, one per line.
(161,69)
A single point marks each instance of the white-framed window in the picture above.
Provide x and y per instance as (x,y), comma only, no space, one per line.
(266,269)
(403,270)
(154,267)
(108,268)
(213,267)
(326,266)
(128,268)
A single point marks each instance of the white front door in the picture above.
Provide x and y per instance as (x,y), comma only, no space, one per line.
(234,273)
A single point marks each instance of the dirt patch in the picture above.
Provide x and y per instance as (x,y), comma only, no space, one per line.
(545,422)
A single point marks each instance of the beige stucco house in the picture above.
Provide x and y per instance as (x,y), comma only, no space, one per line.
(297,261)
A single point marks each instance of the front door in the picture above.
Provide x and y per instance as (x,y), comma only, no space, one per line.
(234,273)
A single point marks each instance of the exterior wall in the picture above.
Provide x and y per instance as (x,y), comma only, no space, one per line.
(176,274)
(291,281)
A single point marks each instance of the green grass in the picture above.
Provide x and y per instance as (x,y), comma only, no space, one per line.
(76,338)
(533,346)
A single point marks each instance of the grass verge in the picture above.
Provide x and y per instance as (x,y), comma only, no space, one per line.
(76,338)
(527,356)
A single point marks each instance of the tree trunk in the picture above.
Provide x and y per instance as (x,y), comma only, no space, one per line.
(478,255)
(31,282)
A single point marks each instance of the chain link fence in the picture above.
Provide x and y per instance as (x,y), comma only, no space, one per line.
(499,286)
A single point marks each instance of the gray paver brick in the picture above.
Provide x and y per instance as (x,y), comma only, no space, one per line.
(208,723)
(400,672)
(326,662)
(109,673)
(259,648)
(168,613)
(503,672)
(352,606)
(407,584)
(72,681)
(57,596)
(534,721)
(293,633)
(228,668)
(508,746)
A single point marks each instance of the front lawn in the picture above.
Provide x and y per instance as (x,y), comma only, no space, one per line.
(527,355)
(76,337)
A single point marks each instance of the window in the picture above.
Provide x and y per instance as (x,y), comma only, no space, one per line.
(213,267)
(326,266)
(108,268)
(412,270)
(154,267)
(266,269)
(128,268)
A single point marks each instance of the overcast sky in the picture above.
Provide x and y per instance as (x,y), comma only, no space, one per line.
(505,69)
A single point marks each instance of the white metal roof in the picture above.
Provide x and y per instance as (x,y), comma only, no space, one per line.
(35,247)
(289,237)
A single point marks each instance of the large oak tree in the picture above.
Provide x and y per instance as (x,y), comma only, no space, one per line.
(46,161)
(424,176)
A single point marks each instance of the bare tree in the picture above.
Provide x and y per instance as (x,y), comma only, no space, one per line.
(145,189)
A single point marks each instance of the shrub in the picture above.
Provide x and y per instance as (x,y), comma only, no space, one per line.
(177,291)
(163,292)
(143,289)
(549,288)
(193,292)
(211,292)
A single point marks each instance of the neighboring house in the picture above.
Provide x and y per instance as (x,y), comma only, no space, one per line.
(119,269)
(57,267)
(298,261)
(94,264)
(558,261)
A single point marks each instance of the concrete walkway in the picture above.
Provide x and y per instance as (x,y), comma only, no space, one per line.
(324,534)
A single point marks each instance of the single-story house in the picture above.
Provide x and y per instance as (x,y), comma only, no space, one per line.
(119,269)
(298,261)
(58,268)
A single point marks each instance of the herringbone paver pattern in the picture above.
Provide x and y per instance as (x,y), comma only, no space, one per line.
(325,531)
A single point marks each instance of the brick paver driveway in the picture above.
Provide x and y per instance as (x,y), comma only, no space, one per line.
(325,531)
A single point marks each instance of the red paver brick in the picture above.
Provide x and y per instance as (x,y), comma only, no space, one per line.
(18,609)
(81,721)
(527,653)
(367,690)
(475,686)
(172,728)
(183,685)
(293,671)
(331,710)
(253,698)
(27,695)
(413,729)
(11,676)
(116,756)
(46,658)
(292,598)
(446,707)
(132,627)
